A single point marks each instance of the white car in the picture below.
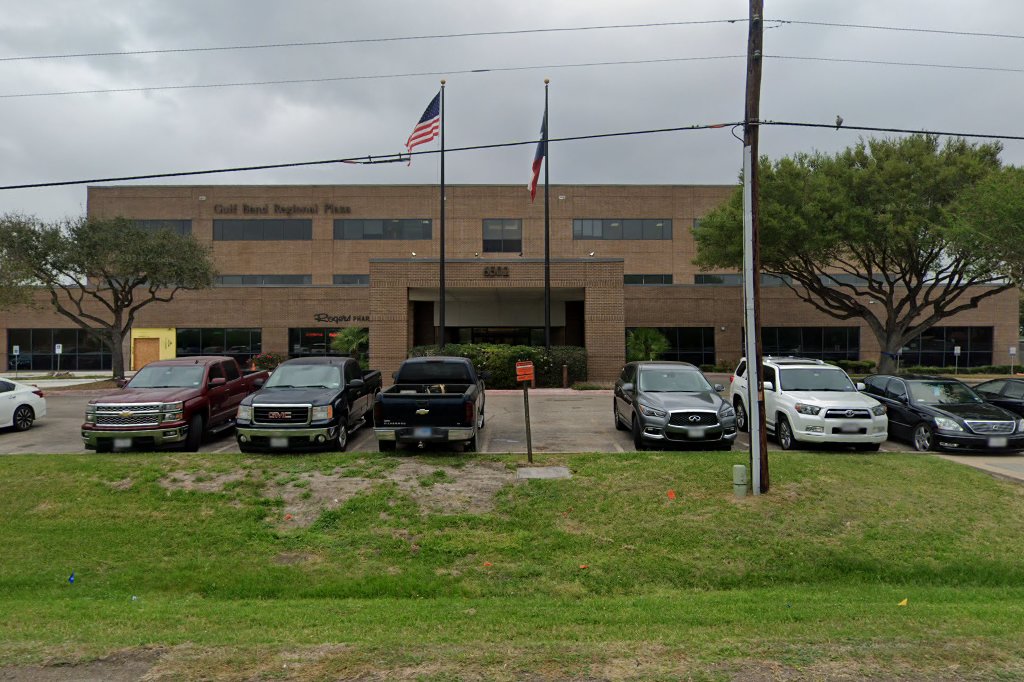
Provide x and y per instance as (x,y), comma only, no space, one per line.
(812,402)
(20,405)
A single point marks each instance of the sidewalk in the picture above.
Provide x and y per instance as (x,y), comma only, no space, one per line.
(1004,466)
(44,382)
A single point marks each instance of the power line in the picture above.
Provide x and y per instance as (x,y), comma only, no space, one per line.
(375,158)
(359,41)
(369,77)
(906,29)
(387,158)
(621,62)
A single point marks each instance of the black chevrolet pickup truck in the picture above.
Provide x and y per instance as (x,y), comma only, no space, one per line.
(433,400)
(308,403)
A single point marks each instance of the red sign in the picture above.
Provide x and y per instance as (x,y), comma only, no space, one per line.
(524,371)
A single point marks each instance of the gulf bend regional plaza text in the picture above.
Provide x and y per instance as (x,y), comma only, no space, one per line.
(298,263)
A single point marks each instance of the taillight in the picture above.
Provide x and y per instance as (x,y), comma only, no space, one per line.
(38,392)
(731,377)
(377,413)
(469,413)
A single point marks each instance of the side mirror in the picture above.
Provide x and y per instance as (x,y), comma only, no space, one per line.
(719,388)
(217,381)
(258,383)
(627,387)
(861,386)
(902,399)
(355,383)
(768,386)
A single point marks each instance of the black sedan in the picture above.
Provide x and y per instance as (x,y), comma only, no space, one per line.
(1006,393)
(672,403)
(945,414)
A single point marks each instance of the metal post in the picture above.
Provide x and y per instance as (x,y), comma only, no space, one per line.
(547,226)
(441,312)
(526,407)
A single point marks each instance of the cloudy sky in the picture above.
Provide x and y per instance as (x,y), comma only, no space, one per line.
(84,136)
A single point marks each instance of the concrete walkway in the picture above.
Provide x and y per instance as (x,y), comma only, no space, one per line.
(1010,467)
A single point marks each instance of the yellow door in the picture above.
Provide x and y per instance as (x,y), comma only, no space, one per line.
(144,351)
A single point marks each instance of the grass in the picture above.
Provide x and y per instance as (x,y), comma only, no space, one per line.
(599,576)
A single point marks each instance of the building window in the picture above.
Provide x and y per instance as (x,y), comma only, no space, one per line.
(824,343)
(311,341)
(695,345)
(503,235)
(262,229)
(263,280)
(735,279)
(936,347)
(616,228)
(241,344)
(384,228)
(351,280)
(80,350)
(647,279)
(181,227)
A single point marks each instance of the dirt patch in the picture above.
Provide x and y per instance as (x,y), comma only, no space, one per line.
(123,666)
(200,480)
(317,492)
(123,484)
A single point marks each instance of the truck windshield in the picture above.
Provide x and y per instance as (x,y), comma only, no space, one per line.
(815,380)
(672,381)
(305,376)
(168,376)
(434,373)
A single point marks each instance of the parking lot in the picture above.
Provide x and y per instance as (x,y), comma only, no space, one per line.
(562,420)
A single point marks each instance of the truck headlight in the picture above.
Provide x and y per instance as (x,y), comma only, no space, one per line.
(90,414)
(244,413)
(804,408)
(321,413)
(878,410)
(171,412)
(947,424)
(650,411)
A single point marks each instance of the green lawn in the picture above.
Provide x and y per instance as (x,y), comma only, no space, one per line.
(602,576)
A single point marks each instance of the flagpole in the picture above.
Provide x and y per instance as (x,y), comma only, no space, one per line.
(442,334)
(547,226)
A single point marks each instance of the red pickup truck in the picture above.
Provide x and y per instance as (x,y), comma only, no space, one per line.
(170,402)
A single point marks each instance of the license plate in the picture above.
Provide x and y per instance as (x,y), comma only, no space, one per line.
(998,442)
(695,433)
(421,432)
(127,442)
(278,442)
(850,428)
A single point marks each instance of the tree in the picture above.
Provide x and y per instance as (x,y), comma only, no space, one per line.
(898,233)
(352,341)
(645,343)
(98,273)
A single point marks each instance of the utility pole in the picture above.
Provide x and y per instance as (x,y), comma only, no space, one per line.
(751,254)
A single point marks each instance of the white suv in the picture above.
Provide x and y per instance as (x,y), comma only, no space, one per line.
(813,402)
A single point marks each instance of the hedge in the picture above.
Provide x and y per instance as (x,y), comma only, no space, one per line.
(981,369)
(500,360)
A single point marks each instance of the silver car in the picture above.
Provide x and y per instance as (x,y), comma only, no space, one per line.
(672,403)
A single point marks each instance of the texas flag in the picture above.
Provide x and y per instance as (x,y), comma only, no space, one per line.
(538,158)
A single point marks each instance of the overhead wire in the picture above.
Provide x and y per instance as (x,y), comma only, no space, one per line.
(402,156)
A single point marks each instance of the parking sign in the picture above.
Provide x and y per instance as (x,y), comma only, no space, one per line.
(58,349)
(17,350)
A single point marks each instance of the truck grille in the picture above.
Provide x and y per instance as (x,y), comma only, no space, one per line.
(693,419)
(128,415)
(847,414)
(280,414)
(990,427)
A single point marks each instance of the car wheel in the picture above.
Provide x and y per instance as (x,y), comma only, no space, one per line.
(638,439)
(785,434)
(386,446)
(922,437)
(741,417)
(23,418)
(195,434)
(341,441)
(615,416)
(469,445)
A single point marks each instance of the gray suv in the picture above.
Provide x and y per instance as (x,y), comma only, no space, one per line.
(672,403)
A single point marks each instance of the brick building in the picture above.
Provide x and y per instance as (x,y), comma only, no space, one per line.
(297,263)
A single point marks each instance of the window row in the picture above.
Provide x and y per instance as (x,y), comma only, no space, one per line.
(823,343)
(647,279)
(695,345)
(735,279)
(616,228)
(402,228)
(80,350)
(263,280)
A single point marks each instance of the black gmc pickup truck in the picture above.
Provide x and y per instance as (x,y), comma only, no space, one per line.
(433,400)
(308,403)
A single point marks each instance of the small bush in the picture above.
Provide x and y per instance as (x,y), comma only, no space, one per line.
(268,361)
(500,360)
(855,366)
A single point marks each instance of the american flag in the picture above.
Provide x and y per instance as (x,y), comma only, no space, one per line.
(539,156)
(428,126)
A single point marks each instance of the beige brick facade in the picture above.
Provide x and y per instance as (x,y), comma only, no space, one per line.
(589,272)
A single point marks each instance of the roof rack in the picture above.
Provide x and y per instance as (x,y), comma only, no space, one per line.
(793,360)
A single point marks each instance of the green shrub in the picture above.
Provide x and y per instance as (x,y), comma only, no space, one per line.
(855,366)
(268,361)
(500,360)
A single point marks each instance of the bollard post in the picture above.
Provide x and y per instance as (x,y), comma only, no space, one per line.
(565,376)
(739,480)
